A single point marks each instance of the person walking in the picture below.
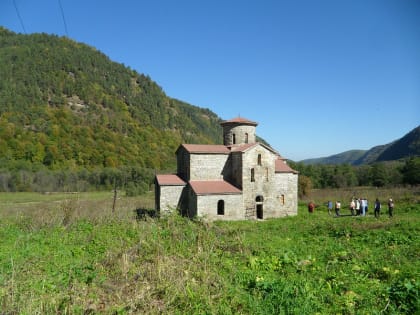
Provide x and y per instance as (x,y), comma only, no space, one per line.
(362,207)
(337,208)
(390,207)
(377,208)
(330,206)
(358,206)
(352,207)
(311,207)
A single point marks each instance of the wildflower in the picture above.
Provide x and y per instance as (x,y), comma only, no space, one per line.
(259,279)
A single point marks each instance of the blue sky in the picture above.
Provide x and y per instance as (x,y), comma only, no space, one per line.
(319,76)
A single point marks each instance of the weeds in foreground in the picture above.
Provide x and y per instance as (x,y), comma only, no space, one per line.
(308,264)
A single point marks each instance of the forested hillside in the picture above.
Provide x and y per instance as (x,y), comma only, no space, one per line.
(64,106)
(409,145)
(340,158)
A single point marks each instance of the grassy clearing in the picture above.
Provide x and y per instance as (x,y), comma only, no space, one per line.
(96,261)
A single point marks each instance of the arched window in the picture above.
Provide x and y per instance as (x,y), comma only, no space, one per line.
(233,139)
(252,175)
(259,159)
(221,207)
(246,137)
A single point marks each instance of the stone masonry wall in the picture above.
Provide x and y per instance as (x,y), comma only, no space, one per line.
(278,191)
(192,204)
(263,184)
(233,207)
(207,166)
(170,197)
(287,191)
(236,169)
(239,132)
(183,164)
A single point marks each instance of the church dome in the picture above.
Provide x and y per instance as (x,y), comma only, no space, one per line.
(238,130)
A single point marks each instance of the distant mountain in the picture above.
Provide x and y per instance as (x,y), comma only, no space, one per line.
(344,157)
(407,146)
(371,155)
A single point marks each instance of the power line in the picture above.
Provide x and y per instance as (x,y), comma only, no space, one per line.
(64,19)
(20,18)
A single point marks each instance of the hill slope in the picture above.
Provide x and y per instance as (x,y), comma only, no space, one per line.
(344,157)
(64,104)
(407,146)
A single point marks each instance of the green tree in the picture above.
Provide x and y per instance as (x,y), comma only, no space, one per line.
(379,176)
(411,171)
(304,186)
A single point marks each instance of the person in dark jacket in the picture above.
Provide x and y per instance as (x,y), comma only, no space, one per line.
(377,208)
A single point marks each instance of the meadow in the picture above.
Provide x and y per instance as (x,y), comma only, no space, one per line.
(72,254)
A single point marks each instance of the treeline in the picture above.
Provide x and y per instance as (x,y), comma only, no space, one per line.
(22,176)
(133,180)
(58,139)
(379,174)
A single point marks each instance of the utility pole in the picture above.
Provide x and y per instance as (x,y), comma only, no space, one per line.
(115,195)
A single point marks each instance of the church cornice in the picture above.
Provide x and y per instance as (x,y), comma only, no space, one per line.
(239,121)
(205,148)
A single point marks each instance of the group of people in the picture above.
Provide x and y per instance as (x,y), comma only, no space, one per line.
(358,207)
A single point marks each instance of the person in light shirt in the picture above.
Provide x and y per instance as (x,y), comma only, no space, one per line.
(337,208)
(390,207)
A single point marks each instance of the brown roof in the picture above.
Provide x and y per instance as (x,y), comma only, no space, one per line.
(282,167)
(169,180)
(239,120)
(242,147)
(206,148)
(210,187)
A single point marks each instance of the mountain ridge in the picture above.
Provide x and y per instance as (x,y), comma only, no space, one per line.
(406,146)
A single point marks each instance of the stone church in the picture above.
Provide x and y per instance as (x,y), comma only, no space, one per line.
(242,179)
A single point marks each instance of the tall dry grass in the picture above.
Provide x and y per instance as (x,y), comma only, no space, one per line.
(399,194)
(40,210)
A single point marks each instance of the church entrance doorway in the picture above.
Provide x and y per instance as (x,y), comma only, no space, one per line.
(259,207)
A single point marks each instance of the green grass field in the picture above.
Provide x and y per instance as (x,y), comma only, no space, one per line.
(70,254)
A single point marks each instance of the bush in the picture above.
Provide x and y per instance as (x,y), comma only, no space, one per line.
(404,295)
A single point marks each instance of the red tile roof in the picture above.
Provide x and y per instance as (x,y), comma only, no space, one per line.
(282,167)
(169,180)
(239,120)
(210,187)
(242,147)
(206,148)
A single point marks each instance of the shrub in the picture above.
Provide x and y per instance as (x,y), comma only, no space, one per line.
(404,295)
